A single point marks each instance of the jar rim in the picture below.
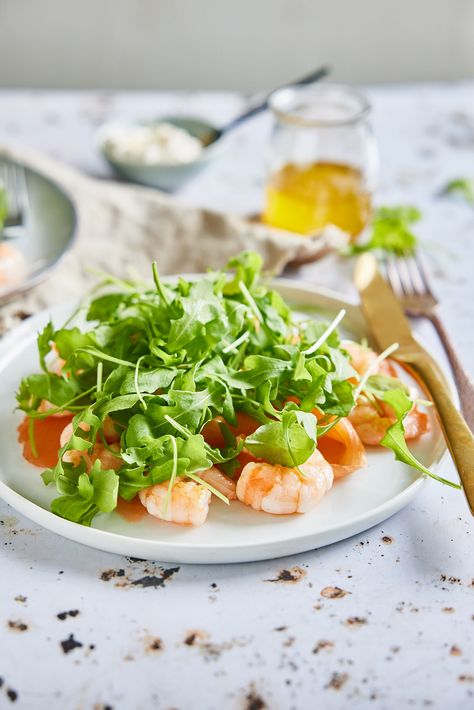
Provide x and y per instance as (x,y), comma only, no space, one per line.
(284,105)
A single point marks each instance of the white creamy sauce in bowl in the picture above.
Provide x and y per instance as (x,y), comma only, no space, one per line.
(158,144)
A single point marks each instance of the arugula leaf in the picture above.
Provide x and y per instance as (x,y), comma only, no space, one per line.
(74,508)
(190,409)
(132,480)
(150,460)
(341,400)
(86,495)
(199,308)
(461,187)
(68,341)
(379,385)
(259,369)
(148,381)
(312,330)
(300,372)
(44,340)
(309,423)
(248,266)
(275,317)
(394,438)
(391,231)
(104,308)
(289,442)
(105,485)
(117,404)
(47,386)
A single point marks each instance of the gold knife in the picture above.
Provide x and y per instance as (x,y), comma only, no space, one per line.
(388,325)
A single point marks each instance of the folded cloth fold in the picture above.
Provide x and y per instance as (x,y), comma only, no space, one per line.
(122,228)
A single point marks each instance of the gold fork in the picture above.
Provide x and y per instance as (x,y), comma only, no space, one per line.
(408,278)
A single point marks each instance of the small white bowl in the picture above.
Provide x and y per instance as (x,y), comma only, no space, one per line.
(160,175)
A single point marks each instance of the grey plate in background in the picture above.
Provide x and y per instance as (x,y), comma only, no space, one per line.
(47,234)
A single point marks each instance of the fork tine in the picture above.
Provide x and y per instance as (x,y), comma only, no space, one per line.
(16,185)
(384,268)
(392,275)
(22,191)
(423,275)
(9,181)
(418,285)
(12,188)
(400,264)
(407,276)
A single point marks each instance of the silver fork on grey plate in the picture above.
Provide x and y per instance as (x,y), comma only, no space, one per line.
(408,278)
(13,178)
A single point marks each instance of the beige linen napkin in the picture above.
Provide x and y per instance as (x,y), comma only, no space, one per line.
(123,227)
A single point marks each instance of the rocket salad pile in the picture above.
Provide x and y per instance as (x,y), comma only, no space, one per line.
(162,365)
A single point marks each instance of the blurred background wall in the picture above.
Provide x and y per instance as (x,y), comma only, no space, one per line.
(230,44)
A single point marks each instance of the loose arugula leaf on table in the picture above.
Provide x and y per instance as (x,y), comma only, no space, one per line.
(391,231)
(460,187)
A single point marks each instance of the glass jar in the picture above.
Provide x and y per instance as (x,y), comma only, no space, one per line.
(322,160)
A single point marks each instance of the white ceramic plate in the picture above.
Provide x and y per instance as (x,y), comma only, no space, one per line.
(234,533)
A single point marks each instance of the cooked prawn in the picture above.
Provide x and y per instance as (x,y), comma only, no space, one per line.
(46,406)
(342,449)
(220,481)
(109,456)
(282,490)
(109,431)
(106,455)
(12,265)
(188,503)
(55,361)
(371,422)
(371,425)
(362,357)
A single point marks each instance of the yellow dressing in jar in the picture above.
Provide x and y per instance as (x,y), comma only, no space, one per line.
(321,160)
(306,198)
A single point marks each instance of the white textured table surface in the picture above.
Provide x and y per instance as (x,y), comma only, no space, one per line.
(84,629)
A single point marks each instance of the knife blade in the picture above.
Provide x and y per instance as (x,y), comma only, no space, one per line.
(388,325)
(381,308)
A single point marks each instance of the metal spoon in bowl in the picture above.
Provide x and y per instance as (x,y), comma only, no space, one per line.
(215,134)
